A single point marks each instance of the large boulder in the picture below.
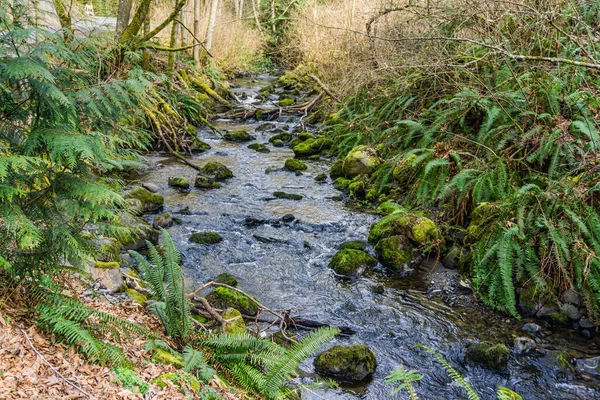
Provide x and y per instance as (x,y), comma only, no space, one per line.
(346,363)
(312,147)
(488,354)
(419,229)
(394,252)
(361,160)
(351,262)
(216,171)
(223,298)
(151,202)
(111,279)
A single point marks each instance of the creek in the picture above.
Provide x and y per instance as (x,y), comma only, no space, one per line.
(285,265)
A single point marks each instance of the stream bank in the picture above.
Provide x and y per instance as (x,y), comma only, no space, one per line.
(284,263)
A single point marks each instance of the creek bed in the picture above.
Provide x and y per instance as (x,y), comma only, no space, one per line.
(285,266)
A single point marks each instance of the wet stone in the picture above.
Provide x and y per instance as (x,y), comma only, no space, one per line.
(288,218)
(586,323)
(572,312)
(530,327)
(523,345)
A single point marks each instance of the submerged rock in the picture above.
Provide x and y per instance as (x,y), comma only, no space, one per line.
(179,182)
(532,328)
(361,160)
(151,187)
(350,262)
(288,218)
(283,137)
(278,143)
(223,298)
(394,252)
(488,354)
(226,279)
(206,238)
(259,147)
(202,182)
(312,147)
(235,326)
(288,196)
(292,164)
(238,136)
(151,202)
(321,178)
(162,221)
(346,363)
(216,171)
(198,146)
(589,366)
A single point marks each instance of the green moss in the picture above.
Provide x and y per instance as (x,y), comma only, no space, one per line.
(312,147)
(357,189)
(107,265)
(150,201)
(278,143)
(236,326)
(129,380)
(355,245)
(394,252)
(223,298)
(341,184)
(336,171)
(202,182)
(200,318)
(295,142)
(558,318)
(191,130)
(288,196)
(424,230)
(305,136)
(292,164)
(109,248)
(419,229)
(138,297)
(283,136)
(405,172)
(179,182)
(238,136)
(162,356)
(216,171)
(179,379)
(227,279)
(206,238)
(490,355)
(259,147)
(361,160)
(347,363)
(321,178)
(372,195)
(198,146)
(286,102)
(390,207)
(162,221)
(348,262)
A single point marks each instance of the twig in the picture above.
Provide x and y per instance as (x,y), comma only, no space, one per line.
(325,88)
(213,313)
(54,369)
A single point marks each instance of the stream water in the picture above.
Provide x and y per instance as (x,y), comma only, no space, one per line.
(285,266)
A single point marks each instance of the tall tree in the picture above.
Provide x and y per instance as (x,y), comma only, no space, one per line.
(196,50)
(123,15)
(211,24)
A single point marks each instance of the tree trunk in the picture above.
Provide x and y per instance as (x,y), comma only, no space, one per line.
(211,24)
(123,15)
(64,16)
(173,44)
(146,52)
(185,36)
(136,22)
(241,14)
(196,50)
(258,26)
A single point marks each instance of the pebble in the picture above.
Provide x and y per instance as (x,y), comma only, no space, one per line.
(288,218)
(523,345)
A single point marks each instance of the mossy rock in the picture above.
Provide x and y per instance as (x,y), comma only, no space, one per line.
(238,136)
(198,146)
(488,354)
(206,238)
(358,188)
(108,248)
(347,363)
(355,245)
(559,360)
(394,252)
(292,164)
(151,202)
(286,102)
(390,207)
(162,356)
(138,297)
(288,196)
(349,262)
(405,172)
(227,279)
(259,147)
(342,184)
(361,160)
(278,143)
(295,142)
(321,178)
(267,126)
(312,147)
(305,136)
(179,182)
(216,171)
(223,298)
(419,229)
(236,326)
(162,221)
(283,136)
(141,231)
(203,182)
(180,380)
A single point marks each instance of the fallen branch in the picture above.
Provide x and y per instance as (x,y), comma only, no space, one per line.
(214,314)
(184,160)
(325,88)
(54,369)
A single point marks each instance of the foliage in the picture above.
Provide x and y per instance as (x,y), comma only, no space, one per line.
(130,380)
(505,148)
(407,378)
(165,278)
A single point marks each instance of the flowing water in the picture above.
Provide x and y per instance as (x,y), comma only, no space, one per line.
(285,266)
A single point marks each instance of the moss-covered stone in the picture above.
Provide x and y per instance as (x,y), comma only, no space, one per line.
(419,229)
(278,143)
(295,142)
(235,326)
(354,245)
(238,136)
(358,188)
(305,136)
(312,147)
(347,363)
(203,182)
(227,279)
(107,265)
(361,160)
(198,146)
(350,262)
(404,172)
(283,136)
(162,221)
(394,252)
(321,178)
(150,201)
(179,182)
(223,298)
(206,238)
(336,171)
(288,196)
(259,147)
(108,248)
(286,102)
(342,184)
(162,356)
(216,171)
(488,354)
(390,207)
(292,164)
(138,297)
(140,230)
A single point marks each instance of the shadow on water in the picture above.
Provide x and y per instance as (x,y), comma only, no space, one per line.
(285,265)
